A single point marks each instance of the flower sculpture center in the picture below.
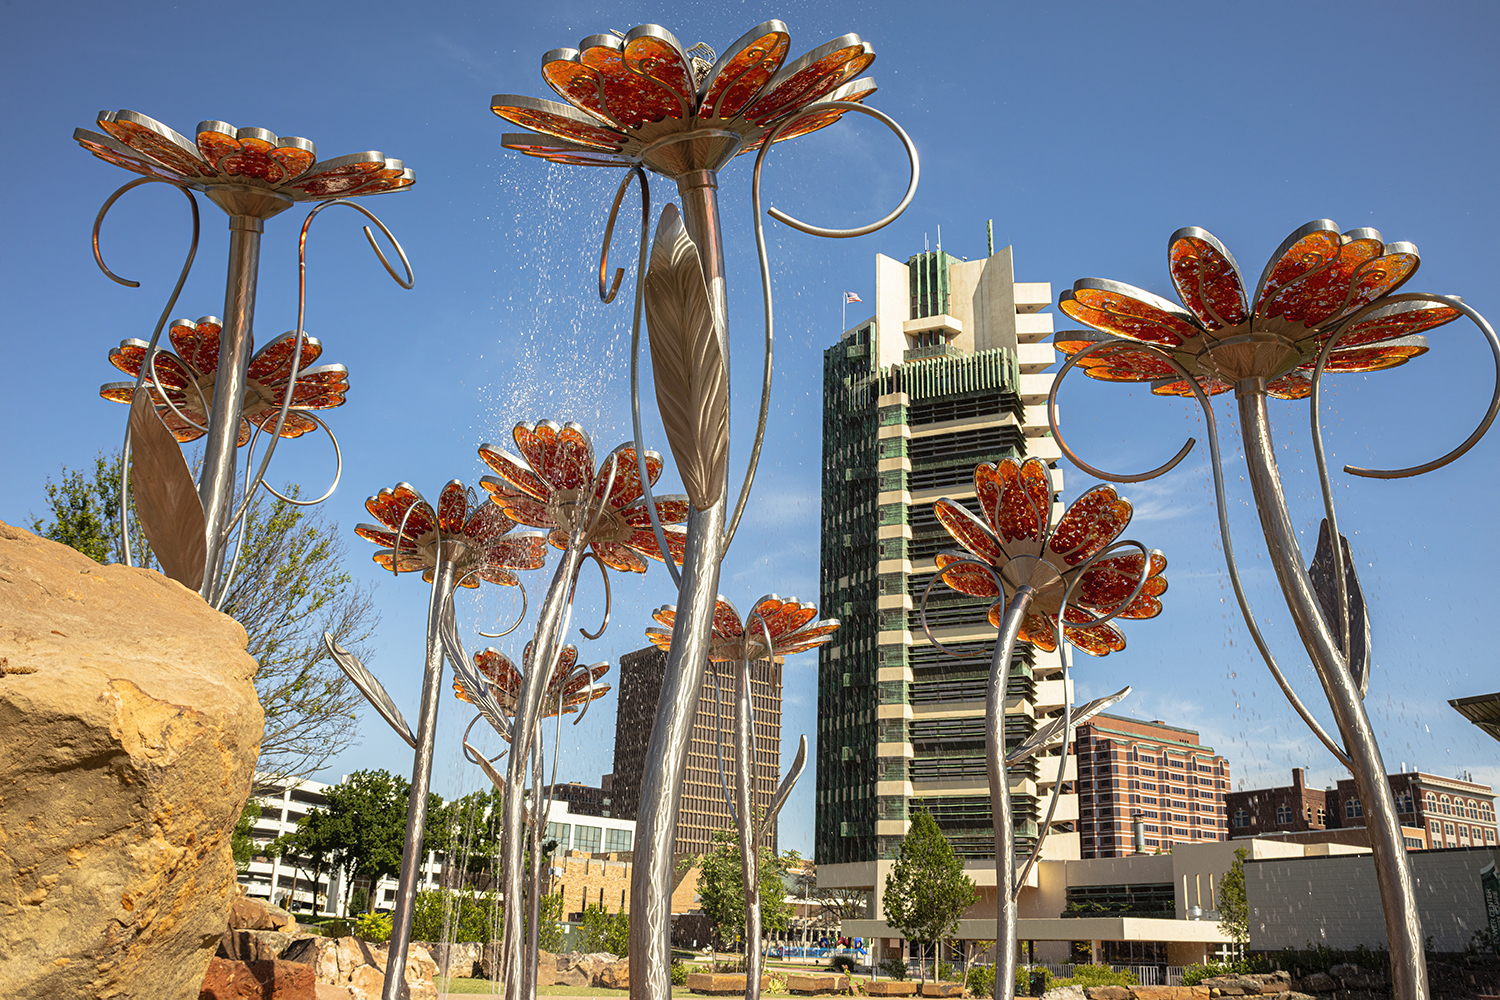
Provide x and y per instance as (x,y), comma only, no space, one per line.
(574,509)
(790,626)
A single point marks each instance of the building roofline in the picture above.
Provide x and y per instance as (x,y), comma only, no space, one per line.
(1137,736)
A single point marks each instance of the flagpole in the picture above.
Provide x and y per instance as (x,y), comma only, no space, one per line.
(844,313)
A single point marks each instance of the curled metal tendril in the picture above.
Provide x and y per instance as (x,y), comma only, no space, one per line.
(823,107)
(765,267)
(338,468)
(470,753)
(519,618)
(161,322)
(607,295)
(1453,302)
(927,591)
(604,574)
(1221,505)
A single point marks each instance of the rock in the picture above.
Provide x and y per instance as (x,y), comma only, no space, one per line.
(329,992)
(809,983)
(572,977)
(891,988)
(319,952)
(131,729)
(1170,992)
(614,976)
(254,946)
(273,980)
(1318,982)
(463,958)
(1236,986)
(942,989)
(1065,993)
(248,913)
(723,983)
(1108,992)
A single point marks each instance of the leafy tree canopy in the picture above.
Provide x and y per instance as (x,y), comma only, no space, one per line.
(1234,914)
(927,891)
(721,886)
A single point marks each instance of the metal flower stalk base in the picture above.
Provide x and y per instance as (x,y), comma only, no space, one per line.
(253,175)
(1326,302)
(1054,586)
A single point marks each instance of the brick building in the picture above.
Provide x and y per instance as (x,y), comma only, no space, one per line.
(1125,767)
(703,809)
(1435,812)
(583,800)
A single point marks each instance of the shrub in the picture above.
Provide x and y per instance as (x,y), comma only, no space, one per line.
(604,931)
(1097,975)
(374,927)
(981,980)
(843,963)
(946,972)
(359,901)
(895,968)
(679,972)
(471,916)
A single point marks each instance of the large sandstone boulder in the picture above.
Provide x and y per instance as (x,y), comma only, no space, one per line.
(615,976)
(267,980)
(129,728)
(358,967)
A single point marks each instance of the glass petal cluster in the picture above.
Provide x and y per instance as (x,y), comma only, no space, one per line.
(629,95)
(791,626)
(567,689)
(556,487)
(1017,538)
(224,155)
(1311,289)
(187,378)
(490,552)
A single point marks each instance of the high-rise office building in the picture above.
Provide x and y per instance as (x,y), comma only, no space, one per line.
(948,373)
(1153,772)
(703,809)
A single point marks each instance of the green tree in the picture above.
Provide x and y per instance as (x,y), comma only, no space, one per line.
(314,848)
(367,817)
(241,845)
(926,891)
(601,930)
(471,836)
(290,587)
(721,886)
(1234,914)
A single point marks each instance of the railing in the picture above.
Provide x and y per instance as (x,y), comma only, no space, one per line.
(1149,975)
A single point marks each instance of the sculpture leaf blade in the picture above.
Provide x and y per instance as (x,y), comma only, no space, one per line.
(692,380)
(166,498)
(1051,733)
(371,688)
(1325,585)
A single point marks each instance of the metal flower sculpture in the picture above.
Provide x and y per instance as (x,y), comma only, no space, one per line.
(601,514)
(1055,585)
(252,174)
(1026,550)
(775,626)
(454,543)
(636,98)
(644,102)
(549,489)
(1327,301)
(565,693)
(182,384)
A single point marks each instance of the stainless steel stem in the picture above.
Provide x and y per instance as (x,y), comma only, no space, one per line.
(550,623)
(682,684)
(1392,872)
(666,756)
(749,828)
(534,889)
(994,752)
(216,487)
(421,773)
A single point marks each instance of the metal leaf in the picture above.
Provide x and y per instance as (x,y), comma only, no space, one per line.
(1052,732)
(1325,585)
(166,498)
(476,687)
(692,380)
(786,783)
(371,688)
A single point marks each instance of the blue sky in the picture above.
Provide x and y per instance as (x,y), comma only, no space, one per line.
(1088,132)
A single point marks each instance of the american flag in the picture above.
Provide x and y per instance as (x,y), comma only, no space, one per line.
(851,297)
